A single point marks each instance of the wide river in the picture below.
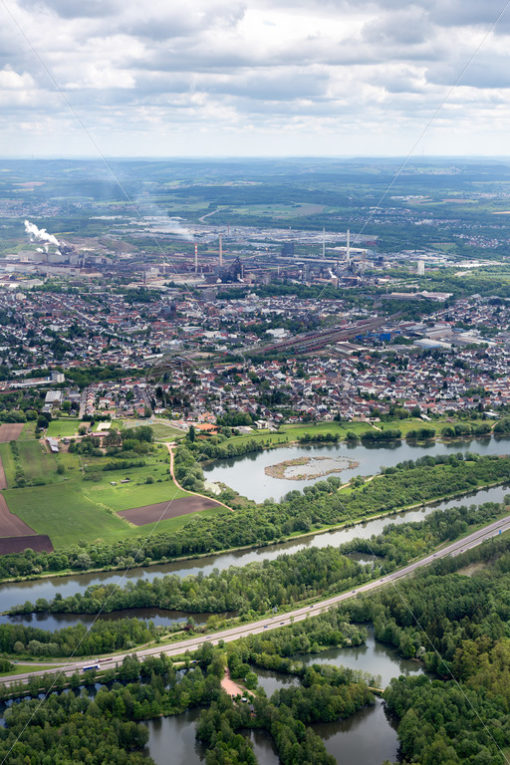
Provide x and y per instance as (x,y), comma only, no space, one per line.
(12,594)
(367,738)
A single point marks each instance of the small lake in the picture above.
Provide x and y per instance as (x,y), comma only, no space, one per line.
(379,661)
(366,738)
(247,474)
(45,621)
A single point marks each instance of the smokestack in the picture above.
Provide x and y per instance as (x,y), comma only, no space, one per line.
(221,251)
(348,247)
(196,258)
(323,242)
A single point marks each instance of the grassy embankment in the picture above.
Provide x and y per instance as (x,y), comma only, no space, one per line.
(292,433)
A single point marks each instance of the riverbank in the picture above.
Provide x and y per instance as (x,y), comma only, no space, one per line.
(297,614)
(294,537)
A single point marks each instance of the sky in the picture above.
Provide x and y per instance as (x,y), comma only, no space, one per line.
(254,78)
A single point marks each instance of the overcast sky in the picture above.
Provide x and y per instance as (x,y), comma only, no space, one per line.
(260,77)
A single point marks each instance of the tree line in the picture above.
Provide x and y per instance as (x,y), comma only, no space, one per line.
(258,588)
(316,506)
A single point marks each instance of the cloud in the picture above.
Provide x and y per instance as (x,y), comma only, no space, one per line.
(146,77)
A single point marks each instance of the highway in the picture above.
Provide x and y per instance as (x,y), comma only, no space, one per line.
(279,620)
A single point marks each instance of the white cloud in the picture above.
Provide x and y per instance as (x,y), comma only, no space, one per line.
(235,76)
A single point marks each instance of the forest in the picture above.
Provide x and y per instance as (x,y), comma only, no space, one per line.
(456,714)
(78,726)
(461,633)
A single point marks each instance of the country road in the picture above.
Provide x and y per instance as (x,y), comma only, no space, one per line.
(280,620)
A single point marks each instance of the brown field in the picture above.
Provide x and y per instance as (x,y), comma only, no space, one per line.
(10,431)
(160,511)
(10,524)
(37,542)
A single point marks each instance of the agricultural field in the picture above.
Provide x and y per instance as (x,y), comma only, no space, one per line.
(10,432)
(76,500)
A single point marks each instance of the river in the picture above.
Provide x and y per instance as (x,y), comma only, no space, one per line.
(368,737)
(12,594)
(246,474)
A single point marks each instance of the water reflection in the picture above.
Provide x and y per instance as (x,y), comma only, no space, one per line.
(246,474)
(12,594)
(172,740)
(366,738)
(58,621)
(377,660)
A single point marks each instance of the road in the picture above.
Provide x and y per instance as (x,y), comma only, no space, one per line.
(281,620)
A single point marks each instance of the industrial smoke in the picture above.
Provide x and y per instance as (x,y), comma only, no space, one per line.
(40,234)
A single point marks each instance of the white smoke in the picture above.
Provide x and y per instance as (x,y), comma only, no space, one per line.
(40,234)
(174,226)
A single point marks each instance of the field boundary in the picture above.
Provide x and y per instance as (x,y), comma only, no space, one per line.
(169,446)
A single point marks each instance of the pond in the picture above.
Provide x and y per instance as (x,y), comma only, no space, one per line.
(379,661)
(45,621)
(367,738)
(172,741)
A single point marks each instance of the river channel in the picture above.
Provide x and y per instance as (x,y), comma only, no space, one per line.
(15,593)
(367,738)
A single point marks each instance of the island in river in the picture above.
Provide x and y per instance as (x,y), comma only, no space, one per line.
(303,468)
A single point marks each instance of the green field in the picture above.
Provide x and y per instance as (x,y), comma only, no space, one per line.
(65,514)
(8,463)
(161,430)
(81,504)
(288,433)
(28,431)
(166,432)
(63,428)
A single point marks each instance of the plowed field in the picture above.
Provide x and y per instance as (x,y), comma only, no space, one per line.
(160,511)
(10,431)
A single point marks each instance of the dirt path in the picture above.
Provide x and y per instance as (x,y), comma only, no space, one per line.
(193,493)
(208,215)
(370,478)
(229,686)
